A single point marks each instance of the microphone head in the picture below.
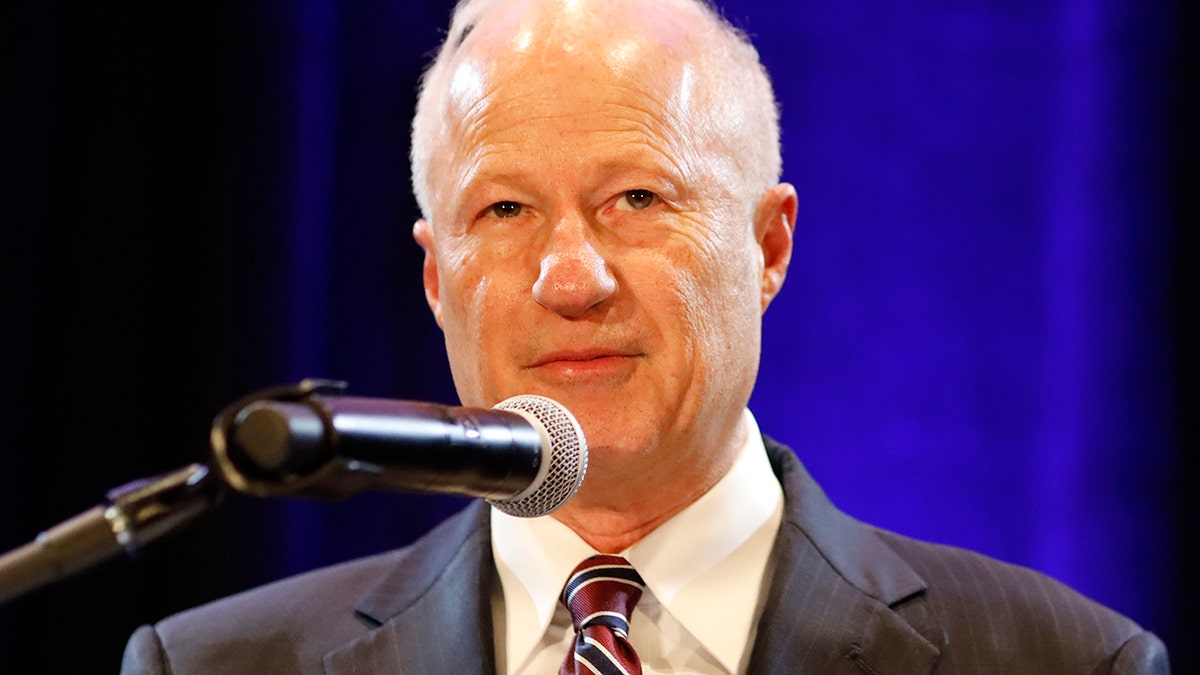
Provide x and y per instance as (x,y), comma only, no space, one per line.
(564,457)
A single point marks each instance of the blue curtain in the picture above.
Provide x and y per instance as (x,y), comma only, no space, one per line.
(979,342)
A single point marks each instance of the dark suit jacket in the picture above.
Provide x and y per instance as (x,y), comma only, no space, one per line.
(845,598)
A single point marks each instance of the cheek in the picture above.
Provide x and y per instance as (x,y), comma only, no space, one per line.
(466,296)
(464,289)
(463,267)
(716,298)
(481,283)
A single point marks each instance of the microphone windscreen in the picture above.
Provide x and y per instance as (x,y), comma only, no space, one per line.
(564,465)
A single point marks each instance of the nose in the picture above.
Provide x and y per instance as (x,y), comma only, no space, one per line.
(573,277)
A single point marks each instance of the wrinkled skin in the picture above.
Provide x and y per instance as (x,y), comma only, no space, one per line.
(589,244)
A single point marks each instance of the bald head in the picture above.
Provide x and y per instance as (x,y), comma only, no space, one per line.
(698,71)
(603,226)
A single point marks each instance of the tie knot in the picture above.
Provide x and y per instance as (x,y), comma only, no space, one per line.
(603,590)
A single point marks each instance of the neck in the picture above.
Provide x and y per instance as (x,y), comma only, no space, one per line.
(612,530)
(621,501)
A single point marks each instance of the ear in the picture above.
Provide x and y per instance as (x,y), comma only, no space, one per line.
(774,223)
(423,233)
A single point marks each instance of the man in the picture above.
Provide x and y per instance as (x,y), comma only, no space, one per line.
(603,225)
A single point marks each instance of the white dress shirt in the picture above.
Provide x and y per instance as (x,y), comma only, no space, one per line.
(705,570)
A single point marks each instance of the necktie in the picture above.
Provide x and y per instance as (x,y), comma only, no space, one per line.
(600,594)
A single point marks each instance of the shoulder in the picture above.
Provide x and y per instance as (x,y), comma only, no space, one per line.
(978,612)
(990,611)
(287,626)
(271,628)
(287,605)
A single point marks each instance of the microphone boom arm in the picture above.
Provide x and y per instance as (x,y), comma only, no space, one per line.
(132,516)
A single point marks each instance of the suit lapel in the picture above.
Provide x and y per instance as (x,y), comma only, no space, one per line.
(840,600)
(433,609)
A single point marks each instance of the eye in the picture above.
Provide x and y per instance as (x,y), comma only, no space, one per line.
(636,200)
(503,210)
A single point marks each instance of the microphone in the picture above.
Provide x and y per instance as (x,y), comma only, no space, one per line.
(526,456)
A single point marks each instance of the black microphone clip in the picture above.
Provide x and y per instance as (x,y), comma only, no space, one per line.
(243,474)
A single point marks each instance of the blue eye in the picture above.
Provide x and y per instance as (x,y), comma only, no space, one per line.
(636,200)
(504,209)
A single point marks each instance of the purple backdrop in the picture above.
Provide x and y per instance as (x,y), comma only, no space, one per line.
(970,347)
(979,343)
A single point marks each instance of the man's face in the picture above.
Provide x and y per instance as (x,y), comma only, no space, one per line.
(588,244)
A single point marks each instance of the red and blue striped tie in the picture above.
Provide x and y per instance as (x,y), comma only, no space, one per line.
(600,594)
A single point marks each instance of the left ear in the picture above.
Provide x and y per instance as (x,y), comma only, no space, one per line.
(423,233)
(774,223)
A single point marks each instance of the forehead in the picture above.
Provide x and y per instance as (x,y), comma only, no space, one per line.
(561,122)
(506,43)
(571,85)
(529,62)
(570,90)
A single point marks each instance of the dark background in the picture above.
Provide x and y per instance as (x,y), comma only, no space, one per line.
(986,337)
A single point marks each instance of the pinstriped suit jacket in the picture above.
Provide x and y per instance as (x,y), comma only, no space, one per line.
(845,598)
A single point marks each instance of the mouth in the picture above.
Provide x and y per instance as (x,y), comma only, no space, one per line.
(585,362)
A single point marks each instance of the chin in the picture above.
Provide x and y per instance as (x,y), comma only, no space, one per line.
(608,444)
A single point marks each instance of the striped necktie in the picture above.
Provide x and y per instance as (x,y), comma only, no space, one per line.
(600,594)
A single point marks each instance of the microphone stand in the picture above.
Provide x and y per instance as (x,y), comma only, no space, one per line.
(132,516)
(140,511)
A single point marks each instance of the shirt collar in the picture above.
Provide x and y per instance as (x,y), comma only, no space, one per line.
(686,573)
